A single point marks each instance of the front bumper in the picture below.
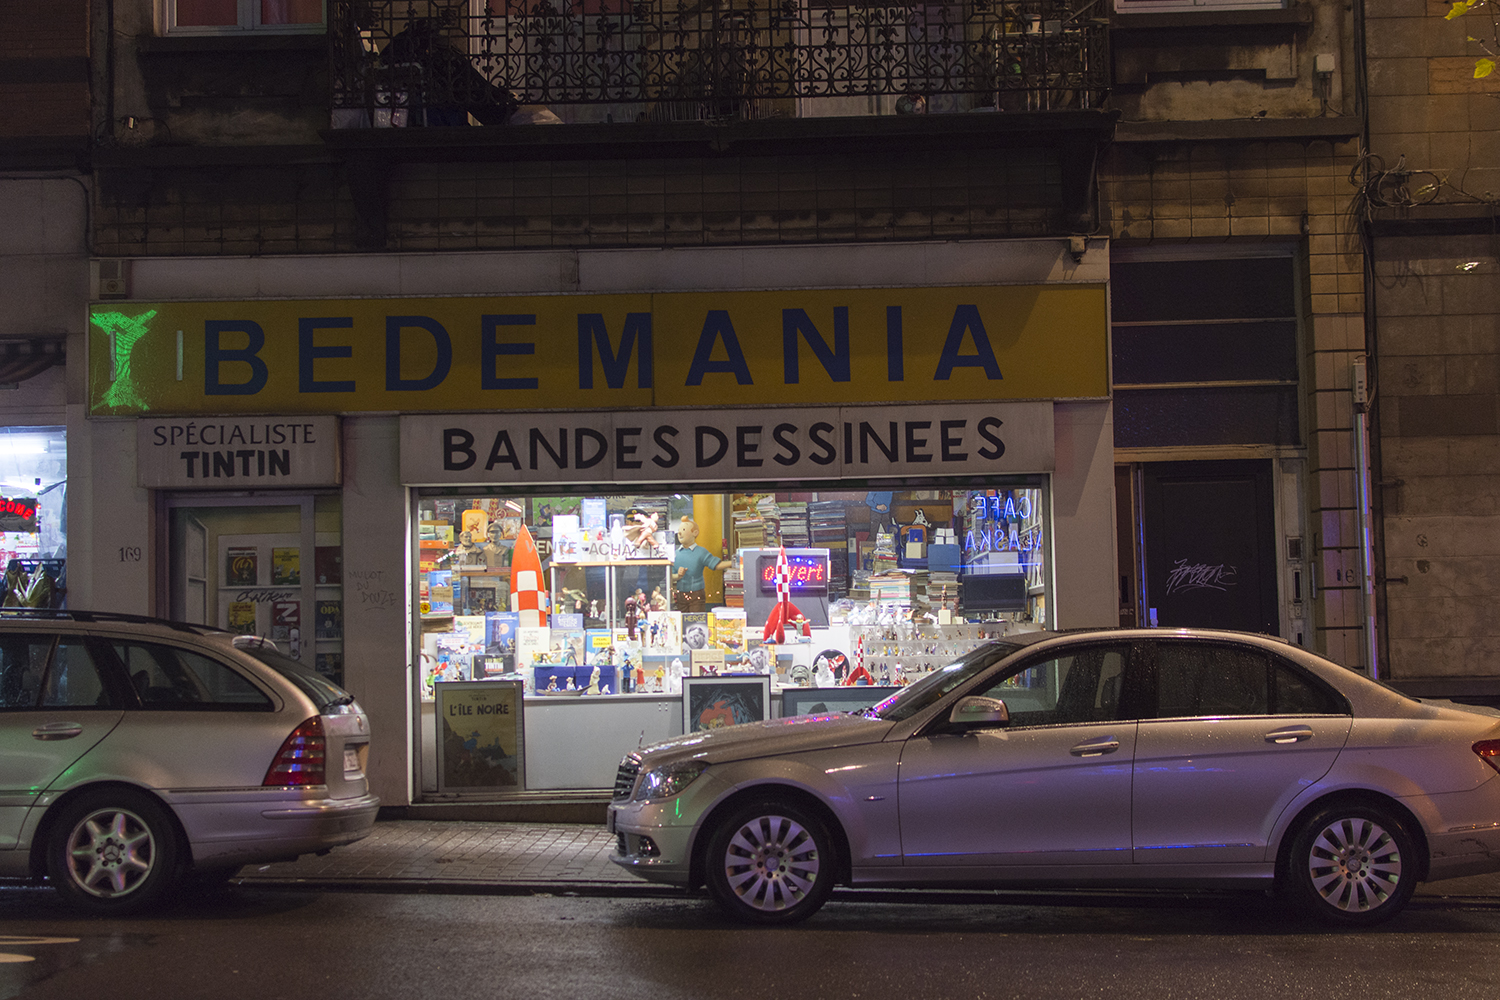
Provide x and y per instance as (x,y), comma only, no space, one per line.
(651,841)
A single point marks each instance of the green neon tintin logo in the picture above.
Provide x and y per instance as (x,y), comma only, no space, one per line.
(124,333)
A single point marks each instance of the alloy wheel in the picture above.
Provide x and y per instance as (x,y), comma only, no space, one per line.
(110,852)
(1354,864)
(771,863)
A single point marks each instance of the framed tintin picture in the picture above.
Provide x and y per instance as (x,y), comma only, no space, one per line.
(480,739)
(715,702)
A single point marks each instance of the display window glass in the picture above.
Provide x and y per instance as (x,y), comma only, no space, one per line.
(33,517)
(620,594)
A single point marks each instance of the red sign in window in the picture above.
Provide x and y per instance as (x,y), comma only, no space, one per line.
(807,573)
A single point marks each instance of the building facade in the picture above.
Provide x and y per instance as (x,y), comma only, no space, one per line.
(1063,304)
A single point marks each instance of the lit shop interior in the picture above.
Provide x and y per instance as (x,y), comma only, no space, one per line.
(592,604)
(33,516)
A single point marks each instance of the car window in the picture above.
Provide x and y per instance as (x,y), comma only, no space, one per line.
(23,663)
(323,692)
(45,671)
(1295,693)
(72,679)
(930,689)
(167,678)
(1082,685)
(1216,679)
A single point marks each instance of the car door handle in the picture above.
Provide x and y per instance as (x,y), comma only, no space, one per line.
(1291,734)
(57,731)
(1096,748)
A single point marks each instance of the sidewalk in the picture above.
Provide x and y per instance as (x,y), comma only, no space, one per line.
(462,856)
(457,855)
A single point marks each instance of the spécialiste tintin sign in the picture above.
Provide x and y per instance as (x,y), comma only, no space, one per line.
(569,352)
(237,453)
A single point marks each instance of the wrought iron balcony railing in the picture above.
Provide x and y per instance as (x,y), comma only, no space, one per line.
(447,61)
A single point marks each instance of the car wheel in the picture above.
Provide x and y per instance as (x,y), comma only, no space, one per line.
(112,851)
(1352,865)
(770,863)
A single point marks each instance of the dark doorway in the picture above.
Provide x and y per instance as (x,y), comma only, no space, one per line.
(1209,545)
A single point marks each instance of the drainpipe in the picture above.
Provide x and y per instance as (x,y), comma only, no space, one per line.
(1360,390)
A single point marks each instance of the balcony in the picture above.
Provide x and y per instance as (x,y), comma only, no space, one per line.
(652,62)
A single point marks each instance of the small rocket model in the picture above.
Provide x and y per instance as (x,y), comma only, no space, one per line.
(859,673)
(527,595)
(785,612)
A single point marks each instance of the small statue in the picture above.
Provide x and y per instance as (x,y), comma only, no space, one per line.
(552,683)
(594,681)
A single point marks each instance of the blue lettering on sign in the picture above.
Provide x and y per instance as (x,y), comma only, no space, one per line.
(394,325)
(593,332)
(491,350)
(966,320)
(717,326)
(309,352)
(215,355)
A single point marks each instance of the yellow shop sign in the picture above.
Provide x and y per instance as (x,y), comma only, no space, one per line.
(798,347)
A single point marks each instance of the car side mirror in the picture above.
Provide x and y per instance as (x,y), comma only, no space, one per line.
(977,710)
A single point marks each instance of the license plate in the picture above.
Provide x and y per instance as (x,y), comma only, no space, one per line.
(351,760)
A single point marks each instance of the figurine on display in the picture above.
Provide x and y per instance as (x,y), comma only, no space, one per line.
(632,614)
(658,600)
(571,685)
(468,553)
(800,675)
(552,683)
(594,681)
(496,556)
(690,562)
(823,673)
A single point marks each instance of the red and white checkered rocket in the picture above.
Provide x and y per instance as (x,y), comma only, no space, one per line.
(785,612)
(527,595)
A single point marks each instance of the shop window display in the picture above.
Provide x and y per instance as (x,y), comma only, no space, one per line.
(580,596)
(33,518)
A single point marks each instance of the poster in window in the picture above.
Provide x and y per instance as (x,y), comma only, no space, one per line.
(286,616)
(330,620)
(716,702)
(328,562)
(286,567)
(241,617)
(481,744)
(241,566)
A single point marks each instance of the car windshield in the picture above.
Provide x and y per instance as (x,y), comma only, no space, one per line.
(912,699)
(324,693)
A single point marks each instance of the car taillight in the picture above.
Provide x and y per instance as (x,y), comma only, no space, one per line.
(1489,752)
(302,759)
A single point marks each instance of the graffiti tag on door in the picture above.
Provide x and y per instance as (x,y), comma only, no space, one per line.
(1200,576)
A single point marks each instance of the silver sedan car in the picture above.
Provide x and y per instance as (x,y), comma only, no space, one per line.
(1112,758)
(135,754)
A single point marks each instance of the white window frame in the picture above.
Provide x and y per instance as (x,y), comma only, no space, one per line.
(249,22)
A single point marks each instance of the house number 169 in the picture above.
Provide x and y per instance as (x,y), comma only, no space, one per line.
(130,554)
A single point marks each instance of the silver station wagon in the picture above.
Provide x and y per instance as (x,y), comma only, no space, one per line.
(1111,758)
(137,753)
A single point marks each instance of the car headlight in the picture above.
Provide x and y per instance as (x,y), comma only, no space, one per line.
(669,780)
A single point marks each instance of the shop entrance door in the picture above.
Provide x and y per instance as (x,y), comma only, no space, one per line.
(268,566)
(1210,558)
